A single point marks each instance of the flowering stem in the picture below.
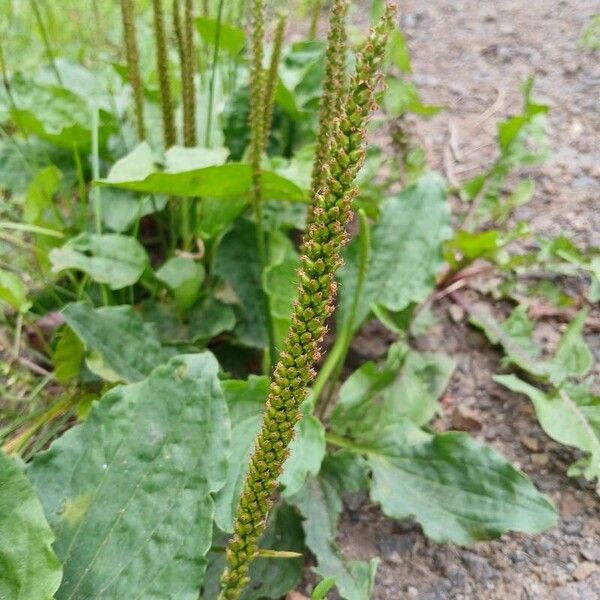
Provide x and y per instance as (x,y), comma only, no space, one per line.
(257,137)
(213,74)
(133,64)
(162,65)
(320,258)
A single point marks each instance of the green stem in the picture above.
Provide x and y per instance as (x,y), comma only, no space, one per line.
(314,18)
(211,85)
(45,40)
(82,188)
(345,338)
(133,63)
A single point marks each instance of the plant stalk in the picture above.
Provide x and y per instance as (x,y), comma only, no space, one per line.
(132,56)
(320,258)
(162,66)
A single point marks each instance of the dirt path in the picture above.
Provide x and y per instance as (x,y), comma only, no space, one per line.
(471,55)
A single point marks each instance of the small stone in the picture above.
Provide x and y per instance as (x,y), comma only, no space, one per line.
(294,595)
(465,419)
(572,526)
(457,313)
(530,443)
(412,593)
(584,570)
(479,567)
(591,553)
(539,460)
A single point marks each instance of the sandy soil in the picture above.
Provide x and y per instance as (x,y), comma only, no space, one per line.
(471,56)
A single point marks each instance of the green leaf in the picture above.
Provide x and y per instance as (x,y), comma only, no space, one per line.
(406,251)
(246,401)
(111,258)
(570,415)
(307,451)
(457,490)
(137,172)
(121,209)
(39,198)
(269,577)
(397,52)
(128,492)
(320,503)
(13,291)
(591,34)
(573,357)
(57,115)
(217,214)
(184,277)
(231,39)
(280,282)
(401,97)
(515,334)
(323,587)
(236,262)
(122,347)
(30,569)
(68,355)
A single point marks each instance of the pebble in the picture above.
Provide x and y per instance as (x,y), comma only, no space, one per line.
(479,567)
(584,570)
(591,553)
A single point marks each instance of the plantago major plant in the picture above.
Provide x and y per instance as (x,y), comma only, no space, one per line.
(320,258)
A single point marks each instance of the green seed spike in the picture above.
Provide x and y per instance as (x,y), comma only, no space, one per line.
(133,63)
(184,32)
(162,65)
(334,88)
(321,257)
(272,75)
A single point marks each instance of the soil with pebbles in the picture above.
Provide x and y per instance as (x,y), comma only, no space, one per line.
(471,56)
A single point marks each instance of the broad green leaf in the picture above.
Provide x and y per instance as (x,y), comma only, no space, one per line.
(320,503)
(39,199)
(457,490)
(29,569)
(13,291)
(401,97)
(406,251)
(128,492)
(111,258)
(137,172)
(246,402)
(397,51)
(57,115)
(121,209)
(231,39)
(68,355)
(515,335)
(208,318)
(179,159)
(570,415)
(217,214)
(572,359)
(236,262)
(121,347)
(269,577)
(374,403)
(307,451)
(280,282)
(184,277)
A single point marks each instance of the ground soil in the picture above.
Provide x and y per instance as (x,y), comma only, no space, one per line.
(471,56)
